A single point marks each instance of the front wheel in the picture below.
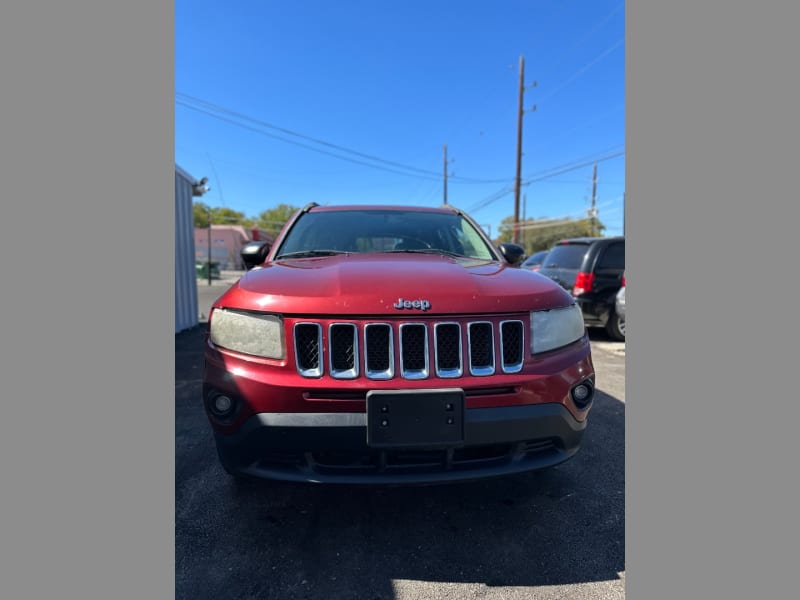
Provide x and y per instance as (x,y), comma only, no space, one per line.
(616,327)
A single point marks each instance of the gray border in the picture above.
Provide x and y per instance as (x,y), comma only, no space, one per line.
(87,166)
(87,244)
(712,134)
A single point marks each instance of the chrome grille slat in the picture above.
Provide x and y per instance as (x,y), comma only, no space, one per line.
(481,348)
(379,351)
(511,348)
(414,351)
(460,348)
(343,350)
(447,346)
(308,349)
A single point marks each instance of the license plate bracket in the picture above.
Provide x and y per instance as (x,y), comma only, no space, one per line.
(415,418)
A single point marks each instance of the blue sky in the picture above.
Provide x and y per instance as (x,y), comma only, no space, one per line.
(352,101)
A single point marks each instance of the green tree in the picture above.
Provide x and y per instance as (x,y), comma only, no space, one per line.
(219,216)
(542,234)
(200,213)
(228,216)
(271,220)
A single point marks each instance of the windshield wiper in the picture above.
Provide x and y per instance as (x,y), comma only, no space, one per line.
(428,251)
(310,253)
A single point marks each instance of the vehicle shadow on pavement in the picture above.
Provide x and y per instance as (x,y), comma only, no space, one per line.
(281,540)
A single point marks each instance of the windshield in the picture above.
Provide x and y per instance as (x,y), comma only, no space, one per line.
(360,231)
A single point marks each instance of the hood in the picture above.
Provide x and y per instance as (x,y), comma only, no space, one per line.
(392,284)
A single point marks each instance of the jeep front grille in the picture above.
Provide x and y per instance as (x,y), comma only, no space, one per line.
(417,348)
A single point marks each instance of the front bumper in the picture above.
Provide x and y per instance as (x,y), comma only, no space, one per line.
(332,447)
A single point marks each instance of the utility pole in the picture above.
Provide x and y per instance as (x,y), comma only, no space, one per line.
(445,174)
(593,212)
(209,246)
(198,189)
(525,220)
(518,180)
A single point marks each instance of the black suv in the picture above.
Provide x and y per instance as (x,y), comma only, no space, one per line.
(591,269)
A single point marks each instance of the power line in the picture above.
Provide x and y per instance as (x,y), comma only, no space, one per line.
(596,27)
(553,172)
(222,109)
(542,224)
(481,204)
(306,146)
(564,133)
(547,174)
(488,91)
(572,167)
(219,183)
(583,69)
(210,109)
(564,220)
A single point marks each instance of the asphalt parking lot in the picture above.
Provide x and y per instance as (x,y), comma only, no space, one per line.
(554,535)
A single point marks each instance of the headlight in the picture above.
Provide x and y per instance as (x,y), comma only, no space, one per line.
(555,328)
(250,333)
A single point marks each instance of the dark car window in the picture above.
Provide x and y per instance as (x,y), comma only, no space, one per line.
(613,257)
(535,259)
(566,256)
(385,231)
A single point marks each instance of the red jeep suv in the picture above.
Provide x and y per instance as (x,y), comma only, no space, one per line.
(390,345)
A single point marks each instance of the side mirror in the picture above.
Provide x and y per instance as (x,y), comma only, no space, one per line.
(254,253)
(513,253)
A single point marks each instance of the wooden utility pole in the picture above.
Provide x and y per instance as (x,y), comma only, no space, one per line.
(524,220)
(517,181)
(445,174)
(593,212)
(209,246)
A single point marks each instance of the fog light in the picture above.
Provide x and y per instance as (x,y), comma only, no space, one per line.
(582,394)
(222,404)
